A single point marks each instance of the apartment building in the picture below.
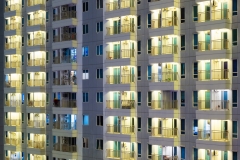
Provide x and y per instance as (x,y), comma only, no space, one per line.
(127,79)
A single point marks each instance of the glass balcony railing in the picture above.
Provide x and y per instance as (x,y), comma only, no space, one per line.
(124,129)
(36,123)
(165,77)
(71,81)
(125,28)
(36,144)
(165,104)
(164,132)
(65,37)
(65,147)
(13,122)
(36,42)
(13,7)
(220,44)
(213,15)
(217,74)
(36,82)
(65,125)
(164,49)
(13,26)
(110,153)
(37,62)
(12,141)
(204,46)
(120,79)
(111,6)
(35,2)
(11,64)
(120,104)
(214,135)
(37,21)
(65,15)
(36,103)
(13,83)
(65,103)
(169,21)
(12,45)
(119,54)
(215,105)
(64,59)
(13,103)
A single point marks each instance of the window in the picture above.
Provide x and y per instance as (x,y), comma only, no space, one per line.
(99,4)
(235,157)
(235,68)
(139,97)
(99,73)
(195,41)
(182,15)
(85,74)
(234,37)
(149,46)
(235,129)
(149,151)
(182,42)
(234,7)
(149,99)
(195,70)
(139,47)
(99,144)
(22,59)
(47,36)
(22,41)
(85,142)
(85,120)
(85,6)
(195,13)
(22,21)
(99,120)
(99,97)
(100,50)
(138,72)
(99,26)
(22,137)
(182,70)
(85,97)
(139,124)
(47,57)
(234,98)
(195,98)
(182,126)
(149,124)
(149,72)
(149,22)
(182,98)
(138,22)
(195,154)
(84,51)
(195,127)
(183,153)
(85,28)
(47,18)
(139,150)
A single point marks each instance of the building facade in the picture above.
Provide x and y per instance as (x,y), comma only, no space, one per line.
(129,79)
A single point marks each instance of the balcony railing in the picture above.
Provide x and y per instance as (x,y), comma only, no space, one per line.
(36,82)
(13,122)
(13,7)
(12,45)
(220,14)
(65,147)
(65,15)
(125,28)
(215,105)
(65,125)
(165,104)
(110,153)
(65,103)
(35,2)
(68,59)
(165,77)
(111,6)
(165,49)
(65,37)
(155,23)
(13,83)
(120,79)
(12,141)
(37,62)
(214,135)
(36,144)
(164,157)
(36,103)
(11,64)
(120,104)
(36,42)
(204,16)
(118,54)
(36,21)
(219,44)
(124,129)
(13,26)
(36,123)
(165,132)
(204,46)
(72,81)
(13,103)
(218,74)
(169,21)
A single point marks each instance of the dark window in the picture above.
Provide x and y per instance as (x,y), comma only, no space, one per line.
(139,47)
(195,70)
(149,24)
(235,129)
(85,6)
(182,15)
(234,7)
(195,127)
(182,126)
(182,42)
(182,70)
(182,98)
(138,22)
(139,150)
(139,124)
(234,98)
(138,72)
(195,13)
(195,41)
(234,37)
(195,98)
(139,96)
(235,68)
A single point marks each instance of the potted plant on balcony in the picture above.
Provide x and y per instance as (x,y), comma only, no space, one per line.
(56,102)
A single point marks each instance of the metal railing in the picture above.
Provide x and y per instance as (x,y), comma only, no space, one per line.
(65,103)
(13,26)
(118,54)
(65,125)
(124,28)
(12,141)
(219,44)
(13,103)
(13,83)
(169,21)
(36,103)
(113,153)
(204,46)
(70,81)
(165,104)
(13,122)
(165,77)
(155,23)
(220,14)
(120,104)
(13,45)
(120,79)
(12,64)
(36,144)
(218,74)
(65,147)
(165,132)
(164,49)
(35,2)
(215,105)
(13,7)
(111,6)
(213,135)
(36,82)
(68,14)
(37,21)
(37,62)
(124,129)
(36,41)
(37,123)
(69,36)
(68,59)
(204,16)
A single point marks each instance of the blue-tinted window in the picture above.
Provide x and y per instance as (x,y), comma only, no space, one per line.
(85,120)
(234,7)
(235,129)
(195,98)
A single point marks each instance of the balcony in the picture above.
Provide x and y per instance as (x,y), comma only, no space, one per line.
(165,132)
(214,15)
(14,26)
(35,2)
(64,82)
(36,103)
(165,77)
(64,59)
(65,15)
(12,141)
(120,104)
(36,21)
(217,74)
(37,62)
(12,45)
(117,154)
(111,6)
(120,79)
(65,125)
(65,148)
(36,123)
(13,103)
(65,37)
(214,105)
(36,144)
(65,103)
(120,129)
(13,7)
(164,104)
(120,54)
(13,122)
(214,135)
(125,28)
(36,42)
(13,83)
(11,64)
(165,49)
(36,82)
